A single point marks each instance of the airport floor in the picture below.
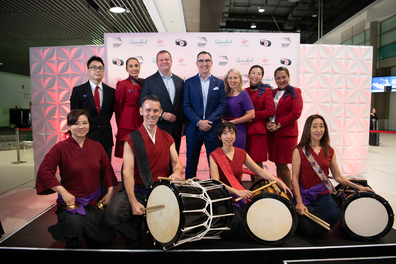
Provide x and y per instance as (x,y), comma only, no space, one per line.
(19,203)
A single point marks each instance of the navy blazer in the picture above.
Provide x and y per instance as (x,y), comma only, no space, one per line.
(155,85)
(99,126)
(193,105)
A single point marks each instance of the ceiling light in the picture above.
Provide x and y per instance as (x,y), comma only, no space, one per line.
(298,30)
(116,9)
(261,10)
(314,15)
(253,25)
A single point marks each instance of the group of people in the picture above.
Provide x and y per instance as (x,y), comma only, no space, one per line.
(237,126)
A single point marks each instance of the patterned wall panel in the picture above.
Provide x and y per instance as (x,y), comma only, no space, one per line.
(54,71)
(336,82)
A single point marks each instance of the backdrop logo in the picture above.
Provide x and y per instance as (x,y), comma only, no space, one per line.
(119,39)
(118,62)
(285,45)
(265,42)
(138,42)
(140,59)
(246,61)
(287,39)
(223,42)
(245,78)
(160,43)
(181,42)
(245,43)
(182,62)
(285,61)
(117,45)
(223,60)
(202,41)
(265,62)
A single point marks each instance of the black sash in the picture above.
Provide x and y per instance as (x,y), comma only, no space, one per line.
(142,159)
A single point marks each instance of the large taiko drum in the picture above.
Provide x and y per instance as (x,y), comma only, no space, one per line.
(269,217)
(193,211)
(364,215)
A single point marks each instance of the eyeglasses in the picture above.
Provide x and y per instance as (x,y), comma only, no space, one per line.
(204,61)
(94,68)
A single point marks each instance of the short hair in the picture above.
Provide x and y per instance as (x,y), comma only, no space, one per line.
(73,116)
(162,52)
(151,97)
(225,125)
(204,52)
(227,87)
(306,135)
(282,69)
(257,66)
(94,58)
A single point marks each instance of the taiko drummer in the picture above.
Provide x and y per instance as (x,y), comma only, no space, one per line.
(226,165)
(147,154)
(312,159)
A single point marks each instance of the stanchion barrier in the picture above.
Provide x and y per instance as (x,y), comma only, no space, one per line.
(17,145)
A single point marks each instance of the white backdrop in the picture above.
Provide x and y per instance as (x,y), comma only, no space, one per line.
(228,50)
(335,82)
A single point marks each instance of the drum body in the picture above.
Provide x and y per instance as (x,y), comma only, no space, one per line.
(364,215)
(193,211)
(269,217)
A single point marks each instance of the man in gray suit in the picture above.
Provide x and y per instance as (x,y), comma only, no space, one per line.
(169,89)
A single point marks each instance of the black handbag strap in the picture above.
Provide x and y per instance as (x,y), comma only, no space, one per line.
(142,159)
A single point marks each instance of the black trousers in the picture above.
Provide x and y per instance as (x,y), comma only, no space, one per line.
(119,216)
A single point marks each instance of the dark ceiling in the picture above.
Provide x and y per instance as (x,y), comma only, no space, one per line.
(42,23)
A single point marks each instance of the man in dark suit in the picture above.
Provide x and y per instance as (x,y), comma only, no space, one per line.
(98,99)
(204,103)
(169,89)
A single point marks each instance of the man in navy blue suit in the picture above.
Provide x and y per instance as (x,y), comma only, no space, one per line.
(204,103)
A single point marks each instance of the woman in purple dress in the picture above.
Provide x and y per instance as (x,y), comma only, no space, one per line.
(240,108)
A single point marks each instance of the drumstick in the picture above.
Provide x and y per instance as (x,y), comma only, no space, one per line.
(259,189)
(164,178)
(316,221)
(152,207)
(187,181)
(317,218)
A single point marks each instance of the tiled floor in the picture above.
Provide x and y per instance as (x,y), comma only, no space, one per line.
(19,203)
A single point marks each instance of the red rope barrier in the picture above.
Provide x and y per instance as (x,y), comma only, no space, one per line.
(380,131)
(28,129)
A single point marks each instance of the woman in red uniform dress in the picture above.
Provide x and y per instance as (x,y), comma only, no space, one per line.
(126,105)
(282,127)
(264,107)
(82,163)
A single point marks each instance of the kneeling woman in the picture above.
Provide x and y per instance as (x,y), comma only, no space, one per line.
(312,159)
(226,165)
(82,164)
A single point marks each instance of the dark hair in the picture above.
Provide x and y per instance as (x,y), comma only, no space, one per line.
(150,97)
(225,125)
(204,52)
(306,136)
(257,66)
(162,52)
(73,116)
(94,58)
(282,69)
(131,58)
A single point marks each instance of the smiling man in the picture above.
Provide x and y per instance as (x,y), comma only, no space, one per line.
(169,89)
(204,103)
(147,154)
(98,99)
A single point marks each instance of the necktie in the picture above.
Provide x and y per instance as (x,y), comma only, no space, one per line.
(97,99)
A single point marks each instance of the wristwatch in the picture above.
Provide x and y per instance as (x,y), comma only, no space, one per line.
(278,126)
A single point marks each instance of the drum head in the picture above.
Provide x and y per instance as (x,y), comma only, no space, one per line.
(270,218)
(366,216)
(163,223)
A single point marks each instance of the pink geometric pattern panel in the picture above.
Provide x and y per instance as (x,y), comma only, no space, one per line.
(54,71)
(336,83)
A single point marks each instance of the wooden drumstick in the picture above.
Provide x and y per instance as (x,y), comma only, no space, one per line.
(152,207)
(316,221)
(187,181)
(164,178)
(259,189)
(317,218)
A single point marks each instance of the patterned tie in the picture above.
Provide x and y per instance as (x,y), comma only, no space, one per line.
(97,99)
